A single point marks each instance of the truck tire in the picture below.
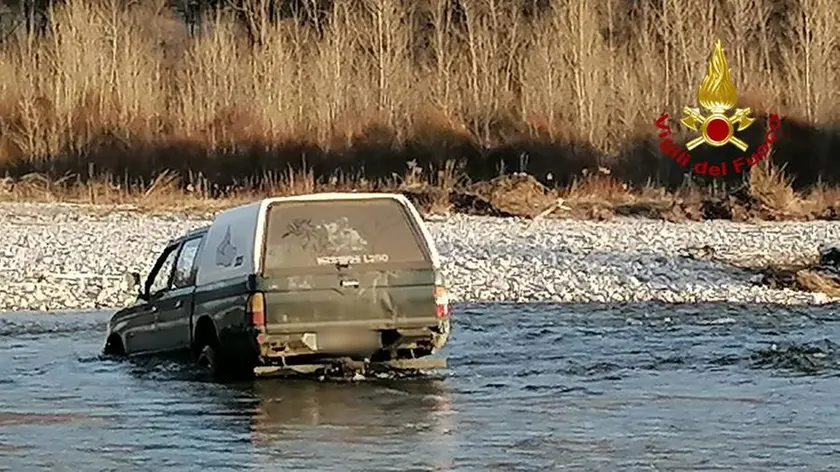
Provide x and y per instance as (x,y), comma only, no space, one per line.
(214,364)
(208,362)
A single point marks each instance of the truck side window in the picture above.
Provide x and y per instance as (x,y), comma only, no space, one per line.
(183,276)
(161,278)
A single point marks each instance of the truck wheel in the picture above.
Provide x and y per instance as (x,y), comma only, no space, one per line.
(219,368)
(208,362)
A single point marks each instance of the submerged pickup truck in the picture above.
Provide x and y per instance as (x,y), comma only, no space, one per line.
(295,285)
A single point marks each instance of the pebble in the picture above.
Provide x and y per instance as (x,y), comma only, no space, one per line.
(61,256)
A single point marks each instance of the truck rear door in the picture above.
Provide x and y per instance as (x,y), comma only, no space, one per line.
(356,263)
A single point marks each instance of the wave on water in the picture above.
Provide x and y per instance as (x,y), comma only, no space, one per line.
(804,358)
(35,323)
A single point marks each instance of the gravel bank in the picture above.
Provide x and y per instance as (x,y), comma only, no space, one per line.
(55,257)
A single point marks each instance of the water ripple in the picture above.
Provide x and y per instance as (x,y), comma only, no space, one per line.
(530,387)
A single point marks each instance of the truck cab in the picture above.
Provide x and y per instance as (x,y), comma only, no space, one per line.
(300,284)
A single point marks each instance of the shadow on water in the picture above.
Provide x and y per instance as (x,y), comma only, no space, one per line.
(367,409)
(303,421)
(294,422)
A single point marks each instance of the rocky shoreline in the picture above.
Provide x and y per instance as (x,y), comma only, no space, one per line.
(60,256)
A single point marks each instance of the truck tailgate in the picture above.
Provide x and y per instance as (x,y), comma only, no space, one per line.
(363,300)
(360,263)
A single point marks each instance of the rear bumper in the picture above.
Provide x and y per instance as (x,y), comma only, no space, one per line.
(295,350)
(361,324)
(346,365)
(348,340)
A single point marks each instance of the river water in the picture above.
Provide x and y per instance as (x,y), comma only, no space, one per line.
(530,387)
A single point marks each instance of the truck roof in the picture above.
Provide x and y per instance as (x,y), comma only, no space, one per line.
(338,196)
(188,234)
(195,231)
(256,206)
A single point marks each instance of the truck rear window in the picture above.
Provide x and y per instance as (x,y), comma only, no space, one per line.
(326,233)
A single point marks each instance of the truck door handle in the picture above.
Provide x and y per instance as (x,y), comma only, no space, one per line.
(179,303)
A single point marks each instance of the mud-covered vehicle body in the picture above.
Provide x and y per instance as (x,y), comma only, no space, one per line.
(295,284)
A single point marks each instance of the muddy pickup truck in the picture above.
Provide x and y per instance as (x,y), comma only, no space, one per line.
(295,285)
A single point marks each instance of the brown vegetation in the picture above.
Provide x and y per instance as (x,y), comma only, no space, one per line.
(117,101)
(810,274)
(803,278)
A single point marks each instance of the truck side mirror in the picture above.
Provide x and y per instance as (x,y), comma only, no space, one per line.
(133,281)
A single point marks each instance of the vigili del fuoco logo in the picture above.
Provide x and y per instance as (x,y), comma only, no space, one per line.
(717,127)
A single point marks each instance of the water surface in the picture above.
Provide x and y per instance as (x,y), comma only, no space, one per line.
(530,387)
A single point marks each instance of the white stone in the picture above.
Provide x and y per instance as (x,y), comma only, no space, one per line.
(486,259)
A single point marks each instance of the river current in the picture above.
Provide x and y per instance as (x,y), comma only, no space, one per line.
(644,387)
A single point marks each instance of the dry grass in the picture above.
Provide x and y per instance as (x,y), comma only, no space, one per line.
(804,276)
(597,196)
(771,188)
(815,282)
(115,94)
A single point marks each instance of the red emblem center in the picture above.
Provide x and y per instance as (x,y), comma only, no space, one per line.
(717,130)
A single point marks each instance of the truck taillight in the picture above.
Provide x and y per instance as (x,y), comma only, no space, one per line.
(256,308)
(441,302)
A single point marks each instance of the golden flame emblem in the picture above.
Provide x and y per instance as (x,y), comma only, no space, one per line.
(717,94)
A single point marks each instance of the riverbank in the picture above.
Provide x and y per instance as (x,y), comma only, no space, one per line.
(766,194)
(60,256)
